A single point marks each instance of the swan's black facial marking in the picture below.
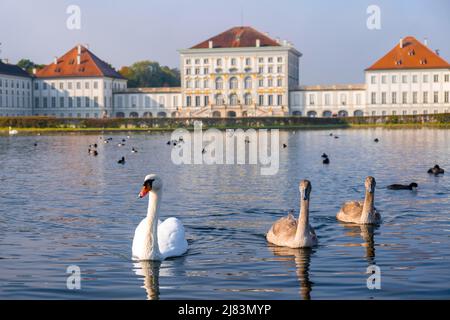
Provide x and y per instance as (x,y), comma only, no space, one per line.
(149,183)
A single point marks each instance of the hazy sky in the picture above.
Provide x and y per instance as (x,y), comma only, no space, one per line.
(332,35)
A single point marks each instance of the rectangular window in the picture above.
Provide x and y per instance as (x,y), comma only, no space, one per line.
(425,78)
(96,102)
(383,98)
(44,86)
(87,103)
(44,103)
(206,100)
(36,86)
(61,85)
(327,99)
(435,78)
(404,79)
(248,61)
(69,85)
(261,100)
(373,80)
(270,100)
(280,100)
(394,79)
(205,70)
(404,97)
(373,98)
(311,99)
(383,79)
(394,97)
(414,97)
(280,82)
(261,83)
(61,102)
(270,83)
(70,102)
(425,97)
(261,70)
(446,78)
(36,102)
(79,102)
(188,101)
(280,69)
(197,101)
(446,96)
(95,85)
(414,78)
(197,71)
(86,85)
(436,97)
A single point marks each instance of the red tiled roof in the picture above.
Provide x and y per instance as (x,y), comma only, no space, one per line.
(413,55)
(238,37)
(67,66)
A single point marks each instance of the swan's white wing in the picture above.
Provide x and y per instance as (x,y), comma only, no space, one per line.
(171,238)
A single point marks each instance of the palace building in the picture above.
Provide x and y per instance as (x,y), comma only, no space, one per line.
(238,73)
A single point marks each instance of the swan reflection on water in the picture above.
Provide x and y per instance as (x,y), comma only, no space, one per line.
(150,271)
(302,259)
(366,232)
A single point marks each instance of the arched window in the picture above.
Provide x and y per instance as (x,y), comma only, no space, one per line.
(244,114)
(233,83)
(312,114)
(219,100)
(248,83)
(297,113)
(248,99)
(120,115)
(233,100)
(148,115)
(134,115)
(231,114)
(327,114)
(219,84)
(343,113)
(162,115)
(358,113)
(216,114)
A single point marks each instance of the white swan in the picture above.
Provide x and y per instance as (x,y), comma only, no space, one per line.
(292,233)
(153,239)
(361,212)
(12,132)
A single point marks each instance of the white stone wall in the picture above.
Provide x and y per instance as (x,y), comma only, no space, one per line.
(328,102)
(146,105)
(15,96)
(393,92)
(75,97)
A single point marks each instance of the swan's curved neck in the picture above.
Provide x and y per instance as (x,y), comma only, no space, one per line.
(152,215)
(303,219)
(368,208)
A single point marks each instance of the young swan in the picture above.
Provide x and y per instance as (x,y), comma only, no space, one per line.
(361,212)
(292,233)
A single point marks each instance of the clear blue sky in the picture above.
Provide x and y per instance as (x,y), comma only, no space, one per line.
(332,35)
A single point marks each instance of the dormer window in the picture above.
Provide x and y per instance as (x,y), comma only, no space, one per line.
(398,62)
(423,61)
(411,52)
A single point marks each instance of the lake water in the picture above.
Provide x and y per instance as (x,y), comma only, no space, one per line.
(61,207)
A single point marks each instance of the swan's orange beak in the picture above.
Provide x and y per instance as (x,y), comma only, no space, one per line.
(144,191)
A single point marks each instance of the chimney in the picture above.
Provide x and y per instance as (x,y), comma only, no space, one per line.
(78,59)
(34,70)
(210,44)
(425,42)
(285,43)
(401,43)
(79,49)
(258,43)
(55,60)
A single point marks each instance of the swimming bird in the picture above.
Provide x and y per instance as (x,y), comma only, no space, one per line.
(169,143)
(133,150)
(121,144)
(95,153)
(336,137)
(204,151)
(121,161)
(153,239)
(293,233)
(376,140)
(361,212)
(284,145)
(436,170)
(411,186)
(35,144)
(326,161)
(324,156)
(12,131)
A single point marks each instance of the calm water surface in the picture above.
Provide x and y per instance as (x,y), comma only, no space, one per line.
(61,207)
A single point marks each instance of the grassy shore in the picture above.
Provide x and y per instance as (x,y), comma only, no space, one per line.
(55,125)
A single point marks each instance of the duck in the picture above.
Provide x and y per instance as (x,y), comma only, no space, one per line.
(295,233)
(411,186)
(12,131)
(326,161)
(133,150)
(361,212)
(155,240)
(121,144)
(121,161)
(284,146)
(324,155)
(436,170)
(376,140)
(95,153)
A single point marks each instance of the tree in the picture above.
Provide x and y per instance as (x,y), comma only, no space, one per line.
(29,65)
(150,74)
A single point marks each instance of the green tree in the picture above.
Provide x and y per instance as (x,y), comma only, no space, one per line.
(150,74)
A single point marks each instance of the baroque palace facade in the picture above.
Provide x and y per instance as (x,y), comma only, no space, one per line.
(238,73)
